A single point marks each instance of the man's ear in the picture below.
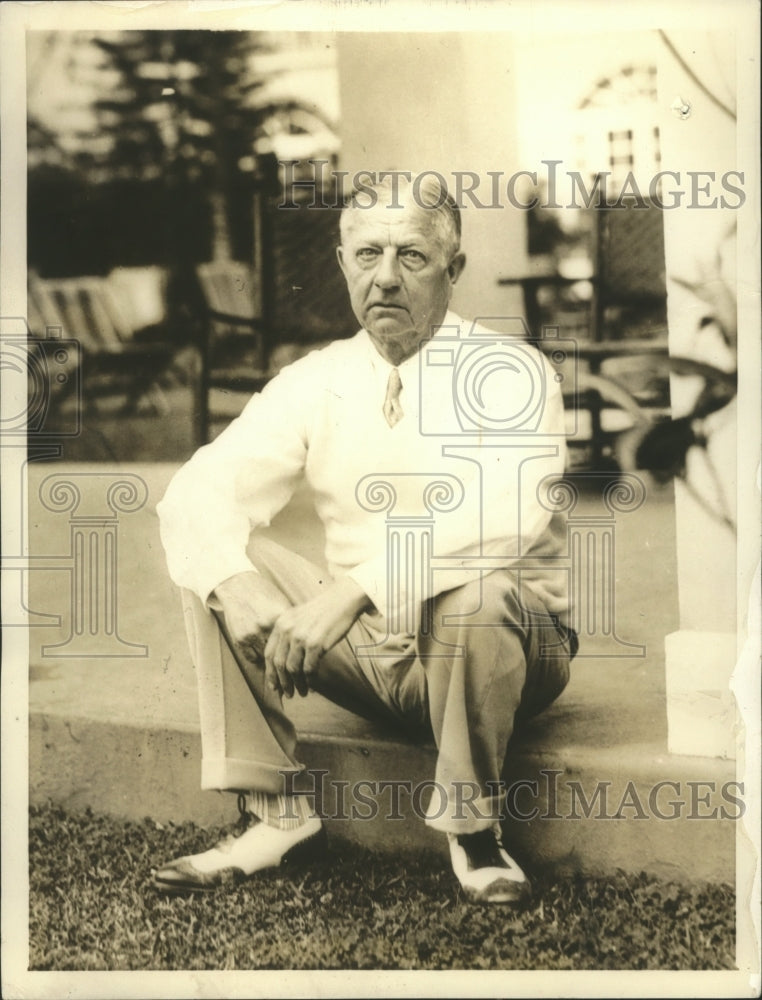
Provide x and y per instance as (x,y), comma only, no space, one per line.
(340,258)
(455,267)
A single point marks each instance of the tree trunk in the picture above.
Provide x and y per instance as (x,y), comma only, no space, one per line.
(222,247)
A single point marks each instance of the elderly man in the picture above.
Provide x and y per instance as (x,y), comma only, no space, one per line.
(455,651)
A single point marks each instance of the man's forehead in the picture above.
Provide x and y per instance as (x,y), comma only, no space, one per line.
(391,221)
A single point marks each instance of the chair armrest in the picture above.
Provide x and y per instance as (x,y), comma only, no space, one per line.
(534,281)
(254,322)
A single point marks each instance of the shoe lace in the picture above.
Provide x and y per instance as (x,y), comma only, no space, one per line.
(241,826)
(244,816)
(482,849)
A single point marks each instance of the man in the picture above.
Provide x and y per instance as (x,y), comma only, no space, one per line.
(456,651)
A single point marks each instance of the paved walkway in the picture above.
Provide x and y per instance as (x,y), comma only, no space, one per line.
(121,733)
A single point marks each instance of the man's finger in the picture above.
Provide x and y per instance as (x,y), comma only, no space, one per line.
(271,674)
(271,678)
(275,658)
(295,666)
(312,658)
(284,679)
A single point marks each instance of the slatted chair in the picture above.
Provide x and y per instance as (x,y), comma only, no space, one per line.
(117,359)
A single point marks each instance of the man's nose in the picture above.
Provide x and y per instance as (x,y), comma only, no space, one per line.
(387,275)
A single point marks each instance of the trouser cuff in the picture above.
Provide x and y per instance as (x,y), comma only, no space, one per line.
(235,774)
(459,813)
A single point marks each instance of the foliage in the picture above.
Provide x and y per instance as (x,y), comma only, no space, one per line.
(183,108)
(92,906)
(182,100)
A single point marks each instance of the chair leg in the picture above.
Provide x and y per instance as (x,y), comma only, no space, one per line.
(200,399)
(596,431)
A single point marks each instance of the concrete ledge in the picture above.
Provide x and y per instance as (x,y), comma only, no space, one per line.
(133,771)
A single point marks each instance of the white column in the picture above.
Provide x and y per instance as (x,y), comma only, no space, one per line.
(461,116)
(700,146)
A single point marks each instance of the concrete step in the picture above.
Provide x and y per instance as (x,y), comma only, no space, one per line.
(120,734)
(372,788)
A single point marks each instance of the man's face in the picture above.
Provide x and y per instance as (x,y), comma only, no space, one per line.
(399,275)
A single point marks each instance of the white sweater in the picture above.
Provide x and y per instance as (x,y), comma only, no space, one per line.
(322,418)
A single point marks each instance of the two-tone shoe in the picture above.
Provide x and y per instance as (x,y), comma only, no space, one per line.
(485,870)
(237,858)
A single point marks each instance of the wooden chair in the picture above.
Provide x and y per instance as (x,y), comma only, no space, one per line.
(621,330)
(234,355)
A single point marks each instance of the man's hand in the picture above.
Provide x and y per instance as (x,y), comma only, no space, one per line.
(251,605)
(302,634)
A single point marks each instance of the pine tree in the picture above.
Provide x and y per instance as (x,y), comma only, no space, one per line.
(180,106)
(182,110)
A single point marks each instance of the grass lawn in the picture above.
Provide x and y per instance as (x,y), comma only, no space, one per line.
(92,907)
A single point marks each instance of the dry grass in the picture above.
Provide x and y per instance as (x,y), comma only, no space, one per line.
(93,907)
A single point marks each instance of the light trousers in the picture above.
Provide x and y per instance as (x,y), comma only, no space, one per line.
(487,656)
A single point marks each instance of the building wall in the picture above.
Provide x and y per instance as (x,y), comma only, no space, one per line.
(441,102)
(556,73)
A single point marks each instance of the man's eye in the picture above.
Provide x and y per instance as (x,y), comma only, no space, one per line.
(414,256)
(366,253)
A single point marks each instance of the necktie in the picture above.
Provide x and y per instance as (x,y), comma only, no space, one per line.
(392,409)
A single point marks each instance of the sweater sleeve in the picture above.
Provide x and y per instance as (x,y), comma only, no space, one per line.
(236,484)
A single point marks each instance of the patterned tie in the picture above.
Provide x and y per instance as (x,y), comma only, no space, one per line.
(392,409)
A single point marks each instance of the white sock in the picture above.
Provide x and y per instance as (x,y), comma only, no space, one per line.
(284,812)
